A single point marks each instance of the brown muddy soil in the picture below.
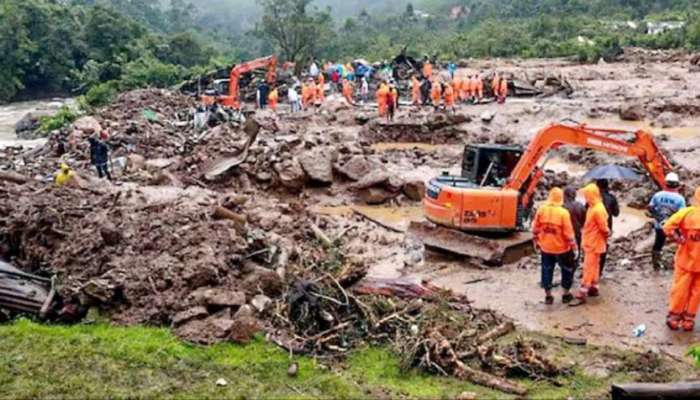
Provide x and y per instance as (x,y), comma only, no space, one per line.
(154,250)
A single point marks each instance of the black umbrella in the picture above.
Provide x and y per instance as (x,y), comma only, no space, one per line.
(612,172)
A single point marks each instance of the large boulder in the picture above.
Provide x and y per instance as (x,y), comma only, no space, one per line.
(87,125)
(291,174)
(668,119)
(358,167)
(634,112)
(318,164)
(414,190)
(25,127)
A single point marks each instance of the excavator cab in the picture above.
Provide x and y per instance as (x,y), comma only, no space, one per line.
(489,165)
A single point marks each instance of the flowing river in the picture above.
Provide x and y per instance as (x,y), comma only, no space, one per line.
(13,112)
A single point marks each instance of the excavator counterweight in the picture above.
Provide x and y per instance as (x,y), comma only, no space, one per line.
(486,212)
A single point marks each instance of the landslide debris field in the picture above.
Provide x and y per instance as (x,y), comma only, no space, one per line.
(301,235)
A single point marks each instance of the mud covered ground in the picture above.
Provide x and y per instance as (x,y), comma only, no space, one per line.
(166,246)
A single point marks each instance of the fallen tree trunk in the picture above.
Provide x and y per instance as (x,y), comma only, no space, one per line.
(13,177)
(641,391)
(501,330)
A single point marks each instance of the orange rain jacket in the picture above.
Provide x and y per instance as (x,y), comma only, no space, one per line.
(496,85)
(382,95)
(321,88)
(427,70)
(449,96)
(595,230)
(480,87)
(504,87)
(273,98)
(347,90)
(552,226)
(687,223)
(457,86)
(436,93)
(415,91)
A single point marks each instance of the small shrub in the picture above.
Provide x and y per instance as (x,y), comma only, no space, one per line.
(99,95)
(64,117)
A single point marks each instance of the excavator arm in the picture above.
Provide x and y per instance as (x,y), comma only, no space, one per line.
(527,174)
(266,62)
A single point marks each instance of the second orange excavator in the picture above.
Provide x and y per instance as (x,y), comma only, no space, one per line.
(486,212)
(233,98)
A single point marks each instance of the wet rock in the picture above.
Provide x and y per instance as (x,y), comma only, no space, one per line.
(372,178)
(487,116)
(25,127)
(135,162)
(357,167)
(197,312)
(668,119)
(261,303)
(244,329)
(414,190)
(102,290)
(110,235)
(205,331)
(87,125)
(362,119)
(223,298)
(263,280)
(244,312)
(318,164)
(376,195)
(291,174)
(632,113)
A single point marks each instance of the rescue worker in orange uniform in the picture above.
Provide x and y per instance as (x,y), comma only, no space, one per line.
(273,99)
(427,69)
(594,241)
(473,88)
(555,238)
(684,228)
(457,83)
(496,85)
(347,91)
(392,100)
(479,87)
(415,91)
(503,92)
(449,97)
(464,90)
(436,93)
(382,95)
(321,88)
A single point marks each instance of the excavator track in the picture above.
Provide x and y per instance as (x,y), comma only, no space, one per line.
(492,250)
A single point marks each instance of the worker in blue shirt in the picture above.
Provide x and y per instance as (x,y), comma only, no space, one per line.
(662,206)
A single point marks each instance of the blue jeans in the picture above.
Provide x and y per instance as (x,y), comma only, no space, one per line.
(567,263)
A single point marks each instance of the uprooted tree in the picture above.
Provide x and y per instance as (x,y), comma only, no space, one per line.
(294,28)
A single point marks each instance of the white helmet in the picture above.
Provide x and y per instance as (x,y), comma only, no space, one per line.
(672,180)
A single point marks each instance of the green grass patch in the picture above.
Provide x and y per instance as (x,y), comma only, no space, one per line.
(99,360)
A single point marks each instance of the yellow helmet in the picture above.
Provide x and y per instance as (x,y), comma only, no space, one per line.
(65,167)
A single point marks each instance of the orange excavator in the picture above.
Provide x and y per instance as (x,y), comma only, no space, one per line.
(233,98)
(486,212)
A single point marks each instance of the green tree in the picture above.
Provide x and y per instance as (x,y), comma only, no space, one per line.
(293,27)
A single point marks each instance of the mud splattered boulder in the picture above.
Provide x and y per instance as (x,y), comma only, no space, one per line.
(633,112)
(291,174)
(318,164)
(414,190)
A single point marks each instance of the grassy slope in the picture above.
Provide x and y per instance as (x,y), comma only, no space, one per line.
(104,361)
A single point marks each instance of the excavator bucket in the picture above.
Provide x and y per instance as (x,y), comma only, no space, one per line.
(493,250)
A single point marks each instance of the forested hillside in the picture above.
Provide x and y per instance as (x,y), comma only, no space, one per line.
(54,46)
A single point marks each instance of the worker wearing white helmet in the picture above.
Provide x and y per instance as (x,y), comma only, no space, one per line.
(664,204)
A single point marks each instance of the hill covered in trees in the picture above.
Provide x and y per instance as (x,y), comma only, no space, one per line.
(54,46)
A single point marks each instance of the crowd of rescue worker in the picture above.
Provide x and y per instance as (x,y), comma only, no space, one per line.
(566,231)
(443,91)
